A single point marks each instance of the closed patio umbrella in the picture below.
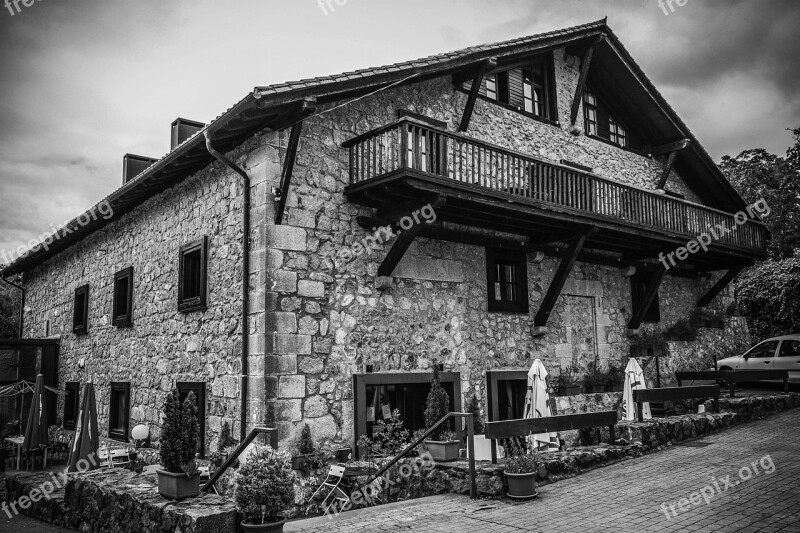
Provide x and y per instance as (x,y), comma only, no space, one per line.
(537,405)
(634,380)
(36,430)
(83,455)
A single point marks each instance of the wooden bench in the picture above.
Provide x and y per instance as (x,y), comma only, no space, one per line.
(734,376)
(669,394)
(523,427)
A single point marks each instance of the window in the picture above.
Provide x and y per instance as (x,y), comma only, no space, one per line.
(123,298)
(589,113)
(507,280)
(526,87)
(120,411)
(80,313)
(192,276)
(790,349)
(199,390)
(616,132)
(71,404)
(765,350)
(639,284)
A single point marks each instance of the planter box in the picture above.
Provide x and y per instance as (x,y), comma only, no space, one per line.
(572,390)
(443,450)
(521,486)
(299,462)
(272,527)
(178,486)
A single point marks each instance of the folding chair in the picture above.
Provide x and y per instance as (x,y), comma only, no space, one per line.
(118,457)
(332,482)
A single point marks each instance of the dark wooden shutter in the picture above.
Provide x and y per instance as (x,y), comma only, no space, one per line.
(515,94)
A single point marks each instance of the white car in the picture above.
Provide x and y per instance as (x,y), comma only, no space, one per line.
(780,353)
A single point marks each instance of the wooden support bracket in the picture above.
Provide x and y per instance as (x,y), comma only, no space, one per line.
(650,295)
(484,67)
(405,236)
(305,108)
(719,286)
(667,169)
(560,278)
(584,75)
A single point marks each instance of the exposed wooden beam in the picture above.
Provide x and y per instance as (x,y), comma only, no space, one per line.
(649,297)
(584,75)
(306,107)
(477,80)
(670,147)
(563,272)
(667,169)
(405,236)
(719,286)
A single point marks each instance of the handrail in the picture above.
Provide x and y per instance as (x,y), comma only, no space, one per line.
(408,144)
(473,490)
(273,441)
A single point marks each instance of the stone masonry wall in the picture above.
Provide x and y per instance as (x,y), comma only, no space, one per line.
(329,319)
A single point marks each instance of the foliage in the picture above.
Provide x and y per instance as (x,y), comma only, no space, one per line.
(390,435)
(264,486)
(567,377)
(10,302)
(595,375)
(615,373)
(758,174)
(648,339)
(216,459)
(520,459)
(179,432)
(136,465)
(438,405)
(225,440)
(474,407)
(769,295)
(306,445)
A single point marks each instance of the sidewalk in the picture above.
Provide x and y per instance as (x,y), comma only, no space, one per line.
(628,497)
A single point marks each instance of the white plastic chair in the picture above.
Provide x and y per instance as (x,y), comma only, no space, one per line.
(118,457)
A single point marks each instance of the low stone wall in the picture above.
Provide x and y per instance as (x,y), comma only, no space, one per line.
(111,501)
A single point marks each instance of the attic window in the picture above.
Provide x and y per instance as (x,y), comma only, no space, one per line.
(526,87)
(616,132)
(589,113)
(599,122)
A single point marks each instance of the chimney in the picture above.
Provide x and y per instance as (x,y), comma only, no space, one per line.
(133,165)
(182,130)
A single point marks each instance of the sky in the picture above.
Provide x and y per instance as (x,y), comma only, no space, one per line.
(82,82)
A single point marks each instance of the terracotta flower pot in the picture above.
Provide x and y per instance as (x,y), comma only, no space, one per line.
(521,486)
(443,450)
(270,527)
(178,486)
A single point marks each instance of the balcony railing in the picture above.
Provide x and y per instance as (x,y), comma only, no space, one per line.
(410,145)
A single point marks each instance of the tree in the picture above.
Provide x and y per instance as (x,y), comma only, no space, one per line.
(171,439)
(758,174)
(769,294)
(438,406)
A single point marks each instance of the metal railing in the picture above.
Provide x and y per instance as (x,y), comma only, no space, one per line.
(473,490)
(273,441)
(410,145)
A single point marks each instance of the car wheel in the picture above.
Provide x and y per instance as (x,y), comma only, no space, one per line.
(724,384)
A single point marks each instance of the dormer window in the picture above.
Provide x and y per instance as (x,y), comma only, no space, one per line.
(599,122)
(526,87)
(616,132)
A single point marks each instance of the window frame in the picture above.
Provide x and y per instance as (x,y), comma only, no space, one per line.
(72,387)
(639,283)
(589,124)
(617,133)
(775,353)
(786,342)
(199,390)
(513,257)
(125,319)
(125,388)
(199,302)
(80,317)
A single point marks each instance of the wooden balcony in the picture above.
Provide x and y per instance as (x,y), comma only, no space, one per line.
(488,186)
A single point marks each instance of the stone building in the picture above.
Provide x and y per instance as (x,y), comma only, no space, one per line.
(475,210)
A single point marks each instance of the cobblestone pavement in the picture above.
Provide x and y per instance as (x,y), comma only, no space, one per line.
(628,496)
(23,524)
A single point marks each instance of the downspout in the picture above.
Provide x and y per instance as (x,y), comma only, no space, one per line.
(245,273)
(21,305)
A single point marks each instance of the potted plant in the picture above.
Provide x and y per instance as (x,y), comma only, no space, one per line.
(179,476)
(225,441)
(264,488)
(305,449)
(343,454)
(441,444)
(595,379)
(520,470)
(566,383)
(615,377)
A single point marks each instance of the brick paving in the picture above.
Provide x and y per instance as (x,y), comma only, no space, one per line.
(627,497)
